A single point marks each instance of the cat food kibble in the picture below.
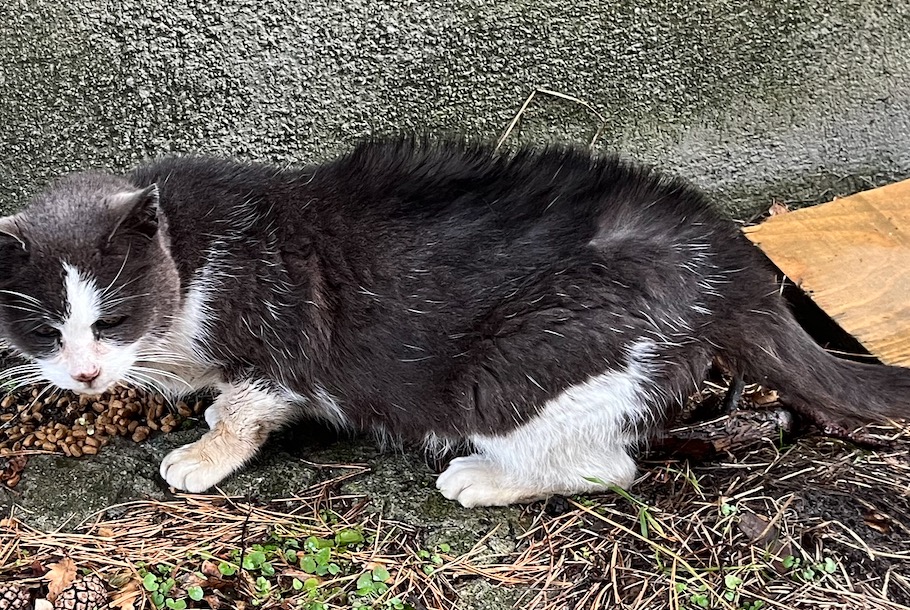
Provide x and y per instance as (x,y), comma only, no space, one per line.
(79,426)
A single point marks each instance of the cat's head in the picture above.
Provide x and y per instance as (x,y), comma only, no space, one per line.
(86,281)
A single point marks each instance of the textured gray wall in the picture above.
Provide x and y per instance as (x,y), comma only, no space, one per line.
(793,100)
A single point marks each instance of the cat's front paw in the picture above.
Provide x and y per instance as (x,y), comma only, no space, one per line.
(198,466)
(213,415)
(476,481)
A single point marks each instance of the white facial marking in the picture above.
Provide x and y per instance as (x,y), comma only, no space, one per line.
(83,309)
(580,435)
(83,363)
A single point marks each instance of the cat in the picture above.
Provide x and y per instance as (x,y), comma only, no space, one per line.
(550,308)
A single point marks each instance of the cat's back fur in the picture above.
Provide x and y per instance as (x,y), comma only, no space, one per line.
(402,276)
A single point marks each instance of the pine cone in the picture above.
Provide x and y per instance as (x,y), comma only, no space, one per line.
(84,594)
(14,597)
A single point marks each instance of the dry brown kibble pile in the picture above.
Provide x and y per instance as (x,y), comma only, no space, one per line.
(80,425)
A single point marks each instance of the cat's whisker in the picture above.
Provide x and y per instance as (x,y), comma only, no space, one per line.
(40,312)
(154,350)
(122,286)
(162,373)
(134,375)
(25,309)
(24,365)
(161,350)
(104,294)
(18,372)
(26,297)
(146,382)
(48,387)
(157,371)
(13,383)
(172,359)
(25,378)
(169,390)
(157,363)
(26,303)
(35,318)
(110,303)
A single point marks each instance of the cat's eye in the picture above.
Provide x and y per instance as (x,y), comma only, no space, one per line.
(46,331)
(109,322)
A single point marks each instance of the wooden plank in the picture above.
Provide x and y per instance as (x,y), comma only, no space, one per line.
(852,256)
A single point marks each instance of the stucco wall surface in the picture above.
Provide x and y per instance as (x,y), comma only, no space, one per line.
(754,101)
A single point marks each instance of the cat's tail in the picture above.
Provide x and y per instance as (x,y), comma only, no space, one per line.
(774,350)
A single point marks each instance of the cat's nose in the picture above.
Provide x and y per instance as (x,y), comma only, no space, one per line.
(88,375)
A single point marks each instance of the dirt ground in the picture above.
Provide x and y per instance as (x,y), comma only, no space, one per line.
(757,520)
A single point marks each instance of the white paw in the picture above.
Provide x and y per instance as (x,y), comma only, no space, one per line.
(476,481)
(213,415)
(198,466)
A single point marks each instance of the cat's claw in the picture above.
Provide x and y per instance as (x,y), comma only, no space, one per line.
(475,481)
(199,466)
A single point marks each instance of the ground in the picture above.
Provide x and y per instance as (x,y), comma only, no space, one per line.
(319,521)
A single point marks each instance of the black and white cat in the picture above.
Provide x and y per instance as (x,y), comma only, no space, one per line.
(548,308)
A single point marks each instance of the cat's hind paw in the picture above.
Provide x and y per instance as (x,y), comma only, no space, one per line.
(199,466)
(476,481)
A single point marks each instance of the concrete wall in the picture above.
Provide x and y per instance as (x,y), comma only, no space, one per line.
(755,101)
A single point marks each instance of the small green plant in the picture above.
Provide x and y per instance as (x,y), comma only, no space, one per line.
(688,476)
(256,560)
(731,586)
(647,523)
(159,583)
(432,558)
(698,596)
(781,439)
(809,572)
(372,583)
(696,593)
(263,590)
(318,558)
(584,552)
(789,562)
(323,577)
(195,593)
(348,537)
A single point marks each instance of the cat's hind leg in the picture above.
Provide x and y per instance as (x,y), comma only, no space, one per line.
(241,419)
(580,441)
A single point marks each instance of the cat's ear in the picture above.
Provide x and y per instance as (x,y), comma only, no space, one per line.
(10,233)
(13,245)
(137,210)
